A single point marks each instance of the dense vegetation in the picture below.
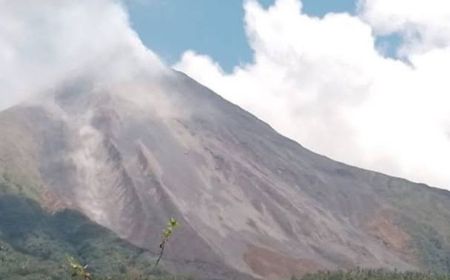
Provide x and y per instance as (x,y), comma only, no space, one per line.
(35,245)
(360,274)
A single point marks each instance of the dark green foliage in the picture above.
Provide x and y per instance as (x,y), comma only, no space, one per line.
(359,274)
(35,244)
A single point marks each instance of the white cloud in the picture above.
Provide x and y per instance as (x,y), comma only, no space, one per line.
(423,24)
(323,83)
(44,42)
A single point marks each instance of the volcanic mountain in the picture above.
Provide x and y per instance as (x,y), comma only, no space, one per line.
(251,203)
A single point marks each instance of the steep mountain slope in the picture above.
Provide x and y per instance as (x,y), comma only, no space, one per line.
(130,154)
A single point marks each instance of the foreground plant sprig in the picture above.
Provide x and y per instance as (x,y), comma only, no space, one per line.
(167,233)
(78,271)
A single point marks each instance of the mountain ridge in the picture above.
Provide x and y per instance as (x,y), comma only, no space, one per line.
(131,154)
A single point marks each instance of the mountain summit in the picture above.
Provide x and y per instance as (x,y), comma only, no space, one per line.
(130,154)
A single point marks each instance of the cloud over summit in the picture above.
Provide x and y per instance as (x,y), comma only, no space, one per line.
(45,42)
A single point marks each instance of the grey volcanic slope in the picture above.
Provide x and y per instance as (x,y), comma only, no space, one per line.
(129,155)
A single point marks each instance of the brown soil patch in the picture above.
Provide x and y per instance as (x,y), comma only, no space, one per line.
(384,228)
(273,265)
(51,203)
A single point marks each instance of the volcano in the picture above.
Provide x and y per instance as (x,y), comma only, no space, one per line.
(130,154)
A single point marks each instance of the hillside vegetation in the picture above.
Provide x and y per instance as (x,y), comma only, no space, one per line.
(373,275)
(35,245)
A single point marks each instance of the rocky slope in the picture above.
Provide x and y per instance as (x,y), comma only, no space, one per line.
(128,155)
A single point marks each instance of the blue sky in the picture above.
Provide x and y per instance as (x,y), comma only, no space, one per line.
(212,27)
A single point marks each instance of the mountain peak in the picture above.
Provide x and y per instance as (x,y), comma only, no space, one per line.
(131,153)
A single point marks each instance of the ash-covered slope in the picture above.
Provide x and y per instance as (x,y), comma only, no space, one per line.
(130,154)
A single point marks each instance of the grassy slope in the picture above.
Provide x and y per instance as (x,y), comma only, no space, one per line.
(425,214)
